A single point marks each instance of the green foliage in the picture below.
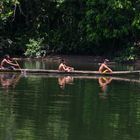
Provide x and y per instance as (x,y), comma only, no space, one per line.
(6,9)
(97,27)
(128,54)
(34,48)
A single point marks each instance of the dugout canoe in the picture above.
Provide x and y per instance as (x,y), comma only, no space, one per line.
(75,72)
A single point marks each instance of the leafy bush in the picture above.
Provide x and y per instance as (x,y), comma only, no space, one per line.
(35,48)
(127,55)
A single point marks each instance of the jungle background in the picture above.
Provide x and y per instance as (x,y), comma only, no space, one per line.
(36,28)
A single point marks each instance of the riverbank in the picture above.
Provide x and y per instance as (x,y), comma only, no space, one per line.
(81,59)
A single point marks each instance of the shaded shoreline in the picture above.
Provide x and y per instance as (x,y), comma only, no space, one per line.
(85,57)
(80,62)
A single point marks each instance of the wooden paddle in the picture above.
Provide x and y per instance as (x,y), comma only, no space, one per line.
(19,66)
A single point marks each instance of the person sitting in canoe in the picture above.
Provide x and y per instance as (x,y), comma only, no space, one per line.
(7,63)
(64,67)
(104,68)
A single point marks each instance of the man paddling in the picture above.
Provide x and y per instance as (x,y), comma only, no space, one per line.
(7,63)
(104,68)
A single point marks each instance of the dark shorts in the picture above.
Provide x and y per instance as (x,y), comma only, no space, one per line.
(9,68)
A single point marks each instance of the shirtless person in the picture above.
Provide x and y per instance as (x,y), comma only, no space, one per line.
(104,68)
(64,67)
(7,63)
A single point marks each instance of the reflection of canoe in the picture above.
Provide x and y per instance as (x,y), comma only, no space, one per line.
(133,80)
(76,72)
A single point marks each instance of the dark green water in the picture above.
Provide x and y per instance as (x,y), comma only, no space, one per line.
(67,108)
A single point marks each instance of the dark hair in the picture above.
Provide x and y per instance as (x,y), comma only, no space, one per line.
(6,56)
(62,61)
(106,60)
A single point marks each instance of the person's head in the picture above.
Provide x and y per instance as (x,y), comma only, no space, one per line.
(106,60)
(62,61)
(7,56)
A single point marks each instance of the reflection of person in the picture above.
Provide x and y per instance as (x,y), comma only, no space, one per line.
(103,82)
(104,68)
(64,67)
(62,81)
(9,79)
(7,63)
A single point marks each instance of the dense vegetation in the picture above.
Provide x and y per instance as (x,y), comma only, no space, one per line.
(97,27)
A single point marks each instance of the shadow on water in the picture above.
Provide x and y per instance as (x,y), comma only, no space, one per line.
(8,83)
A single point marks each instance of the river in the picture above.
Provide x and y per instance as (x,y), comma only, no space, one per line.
(41,107)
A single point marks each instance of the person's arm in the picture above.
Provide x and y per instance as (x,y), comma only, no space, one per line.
(68,67)
(101,68)
(10,63)
(17,64)
(62,67)
(107,68)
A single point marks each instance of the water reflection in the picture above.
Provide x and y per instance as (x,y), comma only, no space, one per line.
(62,81)
(104,82)
(7,103)
(9,80)
(39,110)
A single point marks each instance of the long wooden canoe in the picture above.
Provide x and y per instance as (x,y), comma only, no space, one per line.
(75,72)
